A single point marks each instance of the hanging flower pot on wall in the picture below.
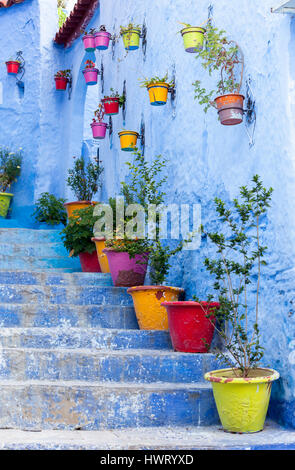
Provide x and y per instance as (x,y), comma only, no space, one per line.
(61,79)
(12,67)
(131,36)
(112,102)
(128,140)
(89,41)
(102,39)
(230,108)
(98,129)
(90,73)
(193,38)
(158,89)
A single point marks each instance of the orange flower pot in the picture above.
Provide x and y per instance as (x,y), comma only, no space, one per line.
(102,257)
(77,205)
(230,108)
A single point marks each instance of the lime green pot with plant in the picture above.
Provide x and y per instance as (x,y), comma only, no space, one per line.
(131,36)
(242,391)
(50,211)
(10,169)
(193,37)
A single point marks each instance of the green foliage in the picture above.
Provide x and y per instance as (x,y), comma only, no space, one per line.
(83,179)
(10,168)
(129,28)
(62,16)
(150,81)
(50,210)
(224,56)
(160,261)
(115,94)
(237,269)
(77,234)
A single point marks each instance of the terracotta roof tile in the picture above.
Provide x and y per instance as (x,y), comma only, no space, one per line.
(78,19)
(9,3)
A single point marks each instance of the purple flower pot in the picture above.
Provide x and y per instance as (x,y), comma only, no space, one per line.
(126,271)
(90,76)
(102,39)
(89,42)
(98,130)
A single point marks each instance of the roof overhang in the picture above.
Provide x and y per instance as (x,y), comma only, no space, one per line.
(285,7)
(9,3)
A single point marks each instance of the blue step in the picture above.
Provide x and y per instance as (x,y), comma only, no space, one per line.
(32,263)
(36,250)
(55,278)
(95,405)
(24,235)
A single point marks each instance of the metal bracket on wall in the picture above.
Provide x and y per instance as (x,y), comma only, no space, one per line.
(21,70)
(143,35)
(172,91)
(114,40)
(101,73)
(142,135)
(70,84)
(210,13)
(125,102)
(250,112)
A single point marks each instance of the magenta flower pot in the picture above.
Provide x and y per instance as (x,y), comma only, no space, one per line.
(102,39)
(89,42)
(126,271)
(98,130)
(90,76)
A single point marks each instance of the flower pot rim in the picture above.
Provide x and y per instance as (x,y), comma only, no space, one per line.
(6,194)
(108,248)
(145,288)
(98,239)
(61,78)
(88,36)
(190,303)
(12,62)
(193,28)
(158,84)
(128,133)
(96,123)
(79,202)
(216,376)
(111,98)
(90,69)
(132,30)
(229,94)
(102,33)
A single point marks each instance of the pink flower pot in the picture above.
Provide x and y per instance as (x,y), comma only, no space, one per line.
(89,42)
(90,76)
(98,130)
(102,39)
(126,271)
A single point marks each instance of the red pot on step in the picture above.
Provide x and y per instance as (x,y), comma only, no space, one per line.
(89,262)
(190,328)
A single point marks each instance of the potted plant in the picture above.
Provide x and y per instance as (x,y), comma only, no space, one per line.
(90,73)
(131,36)
(128,140)
(84,181)
(10,169)
(12,66)
(225,56)
(50,210)
(89,40)
(61,79)
(77,236)
(112,102)
(99,127)
(102,38)
(193,37)
(242,391)
(158,89)
(100,241)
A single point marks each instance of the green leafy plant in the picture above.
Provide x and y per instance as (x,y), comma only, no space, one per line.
(84,179)
(237,272)
(78,232)
(10,167)
(160,261)
(50,209)
(144,83)
(222,55)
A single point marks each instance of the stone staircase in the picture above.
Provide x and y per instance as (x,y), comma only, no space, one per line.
(72,358)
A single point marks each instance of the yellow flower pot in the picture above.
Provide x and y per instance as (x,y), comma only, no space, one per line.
(128,140)
(193,38)
(158,93)
(77,205)
(242,403)
(102,258)
(147,303)
(5,199)
(131,39)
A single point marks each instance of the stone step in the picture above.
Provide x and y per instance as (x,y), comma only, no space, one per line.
(83,338)
(77,295)
(32,263)
(54,315)
(24,235)
(168,438)
(73,405)
(35,250)
(133,365)
(55,278)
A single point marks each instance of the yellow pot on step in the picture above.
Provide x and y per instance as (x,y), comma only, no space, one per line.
(102,258)
(77,205)
(147,304)
(242,403)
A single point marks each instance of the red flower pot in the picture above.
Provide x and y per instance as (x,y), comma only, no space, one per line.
(61,83)
(89,262)
(230,108)
(111,106)
(190,329)
(12,67)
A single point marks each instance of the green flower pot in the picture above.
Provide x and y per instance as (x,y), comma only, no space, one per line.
(193,38)
(5,199)
(131,39)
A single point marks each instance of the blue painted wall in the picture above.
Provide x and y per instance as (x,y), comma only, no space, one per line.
(206,159)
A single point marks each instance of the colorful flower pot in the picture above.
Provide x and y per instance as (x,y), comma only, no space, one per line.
(126,271)
(193,38)
(230,108)
(131,39)
(89,262)
(61,83)
(89,42)
(90,76)
(147,300)
(76,205)
(12,67)
(5,199)
(158,93)
(102,39)
(111,106)
(99,129)
(242,403)
(128,140)
(102,257)
(190,329)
